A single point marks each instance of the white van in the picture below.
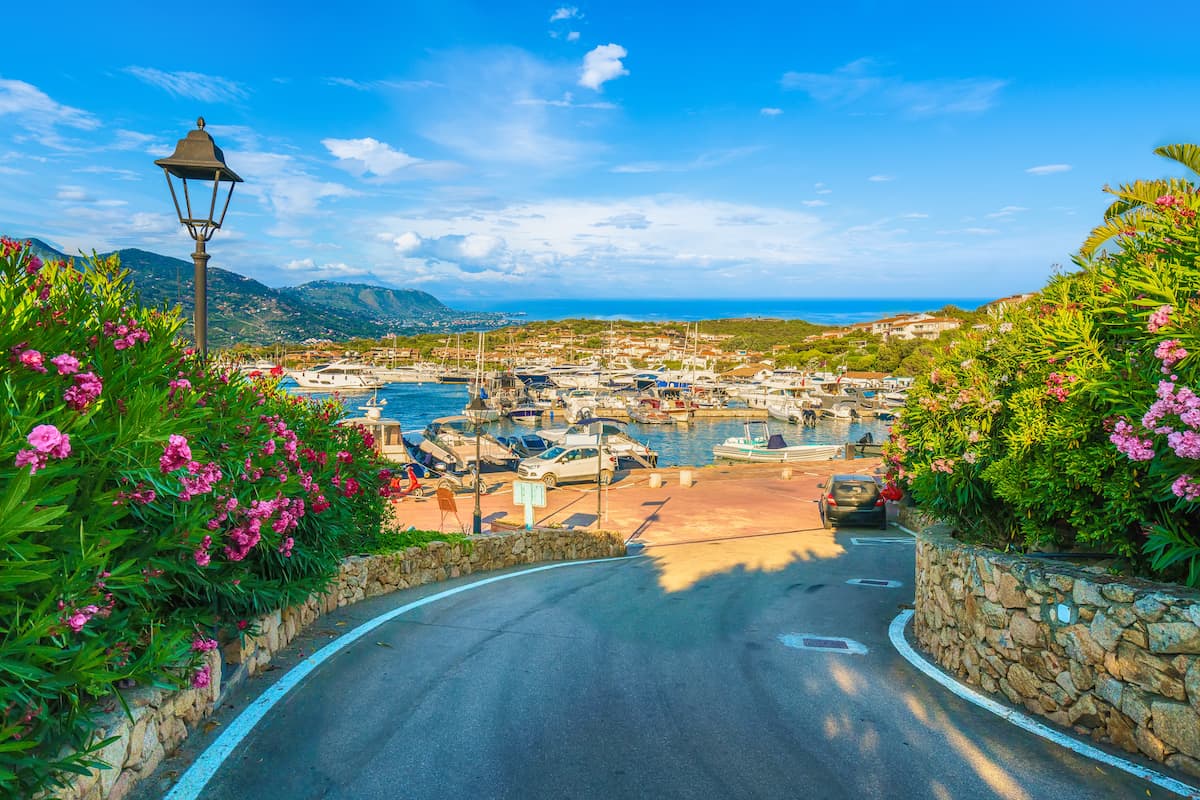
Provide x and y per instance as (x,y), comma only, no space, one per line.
(562,464)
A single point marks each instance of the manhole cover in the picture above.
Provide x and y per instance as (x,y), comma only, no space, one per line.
(883,584)
(828,644)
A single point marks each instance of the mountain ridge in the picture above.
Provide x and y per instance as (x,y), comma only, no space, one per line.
(242,310)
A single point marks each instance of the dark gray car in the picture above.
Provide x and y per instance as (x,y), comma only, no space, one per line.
(853,500)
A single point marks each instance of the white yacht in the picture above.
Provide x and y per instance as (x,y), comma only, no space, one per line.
(339,375)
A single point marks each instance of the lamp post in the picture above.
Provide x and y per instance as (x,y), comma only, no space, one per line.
(198,159)
(474,411)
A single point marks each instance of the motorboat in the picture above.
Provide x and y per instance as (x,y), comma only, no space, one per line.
(452,441)
(340,375)
(759,444)
(612,433)
(791,409)
(387,438)
(526,414)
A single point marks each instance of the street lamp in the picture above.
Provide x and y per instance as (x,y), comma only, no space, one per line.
(198,159)
(475,411)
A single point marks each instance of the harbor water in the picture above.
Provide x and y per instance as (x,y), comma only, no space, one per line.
(415,405)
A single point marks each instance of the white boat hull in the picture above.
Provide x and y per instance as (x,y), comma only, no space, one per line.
(761,453)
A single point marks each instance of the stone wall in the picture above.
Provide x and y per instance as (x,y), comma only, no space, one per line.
(162,719)
(1115,659)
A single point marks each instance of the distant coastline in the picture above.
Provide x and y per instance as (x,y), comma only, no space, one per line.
(821,311)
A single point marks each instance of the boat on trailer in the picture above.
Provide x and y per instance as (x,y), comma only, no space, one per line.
(759,444)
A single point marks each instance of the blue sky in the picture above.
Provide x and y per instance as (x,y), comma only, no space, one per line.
(499,150)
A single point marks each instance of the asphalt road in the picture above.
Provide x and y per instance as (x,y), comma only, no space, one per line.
(662,676)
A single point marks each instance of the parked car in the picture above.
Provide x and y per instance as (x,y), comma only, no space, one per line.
(563,464)
(852,499)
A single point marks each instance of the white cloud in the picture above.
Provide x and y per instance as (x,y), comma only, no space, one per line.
(333,269)
(573,36)
(193,85)
(366,86)
(74,194)
(914,215)
(881,178)
(1049,169)
(980,231)
(34,110)
(815,203)
(821,188)
(628,221)
(566,101)
(283,185)
(860,83)
(1007,211)
(565,12)
(368,156)
(712,158)
(601,65)
(770,112)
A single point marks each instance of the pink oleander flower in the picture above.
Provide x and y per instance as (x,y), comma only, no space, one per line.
(1186,444)
(85,391)
(1159,319)
(203,559)
(202,677)
(48,439)
(66,364)
(1166,201)
(268,447)
(33,360)
(202,645)
(32,459)
(970,457)
(1170,353)
(1128,443)
(80,617)
(1186,487)
(176,454)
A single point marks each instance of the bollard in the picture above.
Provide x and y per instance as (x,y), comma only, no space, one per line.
(786,474)
(655,480)
(685,477)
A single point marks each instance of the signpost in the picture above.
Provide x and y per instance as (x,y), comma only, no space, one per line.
(531,494)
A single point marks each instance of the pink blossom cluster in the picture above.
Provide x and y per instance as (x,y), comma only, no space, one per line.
(943,465)
(243,538)
(141,494)
(1159,319)
(1187,487)
(1127,442)
(125,334)
(203,559)
(32,359)
(176,454)
(970,457)
(1057,385)
(47,442)
(202,644)
(1172,401)
(200,479)
(1170,353)
(177,384)
(84,392)
(78,617)
(202,677)
(66,364)
(1166,201)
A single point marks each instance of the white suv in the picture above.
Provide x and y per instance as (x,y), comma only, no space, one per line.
(561,464)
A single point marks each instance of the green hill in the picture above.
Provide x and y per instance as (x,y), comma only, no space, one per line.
(242,310)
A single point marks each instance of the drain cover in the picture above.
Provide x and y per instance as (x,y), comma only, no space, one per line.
(877,540)
(828,644)
(874,582)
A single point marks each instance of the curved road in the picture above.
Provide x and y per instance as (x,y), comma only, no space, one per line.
(662,676)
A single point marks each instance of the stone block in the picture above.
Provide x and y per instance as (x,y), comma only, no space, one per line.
(1135,704)
(1117,593)
(1173,637)
(1120,732)
(1150,744)
(1149,609)
(1024,630)
(994,615)
(1086,593)
(1084,712)
(1063,583)
(1184,763)
(1023,681)
(1011,693)
(1083,677)
(1109,689)
(1078,643)
(1191,683)
(1105,630)
(1149,672)
(1136,637)
(1010,592)
(1178,725)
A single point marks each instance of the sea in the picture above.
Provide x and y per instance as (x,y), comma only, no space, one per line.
(821,311)
(416,404)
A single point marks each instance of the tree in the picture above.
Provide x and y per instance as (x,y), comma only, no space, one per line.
(1135,203)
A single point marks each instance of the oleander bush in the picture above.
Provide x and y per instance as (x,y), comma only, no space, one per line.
(150,505)
(1072,420)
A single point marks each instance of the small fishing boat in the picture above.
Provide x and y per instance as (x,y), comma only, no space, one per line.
(759,444)
(526,414)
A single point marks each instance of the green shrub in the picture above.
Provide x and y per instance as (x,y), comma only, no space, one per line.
(149,504)
(1071,420)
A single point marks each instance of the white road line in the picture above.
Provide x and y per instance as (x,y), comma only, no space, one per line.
(192,782)
(1021,720)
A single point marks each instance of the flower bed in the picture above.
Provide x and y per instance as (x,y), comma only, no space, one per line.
(150,504)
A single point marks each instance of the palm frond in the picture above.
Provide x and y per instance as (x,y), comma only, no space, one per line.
(1136,219)
(1186,154)
(1142,193)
